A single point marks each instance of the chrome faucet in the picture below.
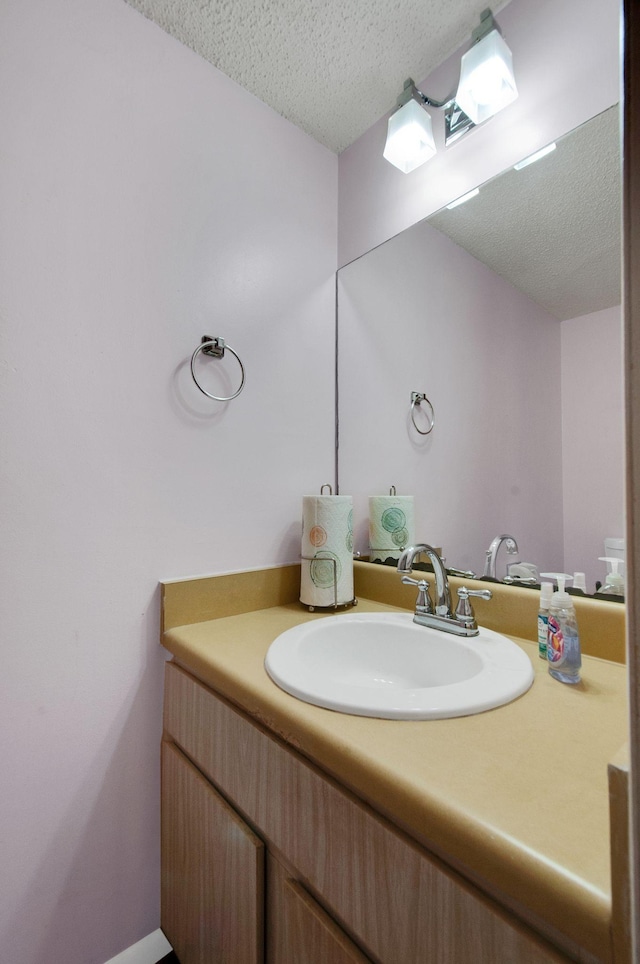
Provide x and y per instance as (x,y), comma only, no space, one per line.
(463,622)
(491,554)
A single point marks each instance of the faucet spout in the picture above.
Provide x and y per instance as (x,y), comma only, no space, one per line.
(443,595)
(491,555)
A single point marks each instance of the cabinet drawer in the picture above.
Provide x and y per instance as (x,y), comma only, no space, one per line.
(400,904)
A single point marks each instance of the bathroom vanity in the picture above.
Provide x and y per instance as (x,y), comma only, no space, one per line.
(293,833)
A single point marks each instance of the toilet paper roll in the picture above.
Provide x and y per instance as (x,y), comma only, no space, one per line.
(327,550)
(391,526)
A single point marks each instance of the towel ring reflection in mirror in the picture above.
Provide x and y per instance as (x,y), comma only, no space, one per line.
(215,348)
(416,399)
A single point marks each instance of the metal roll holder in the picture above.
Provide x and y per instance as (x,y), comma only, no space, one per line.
(336,605)
(416,399)
(215,348)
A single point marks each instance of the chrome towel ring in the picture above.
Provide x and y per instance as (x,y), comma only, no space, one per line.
(416,399)
(215,348)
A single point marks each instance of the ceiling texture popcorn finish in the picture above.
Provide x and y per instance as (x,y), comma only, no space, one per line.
(332,67)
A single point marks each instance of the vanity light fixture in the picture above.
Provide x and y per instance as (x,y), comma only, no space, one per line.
(463,199)
(535,157)
(486,86)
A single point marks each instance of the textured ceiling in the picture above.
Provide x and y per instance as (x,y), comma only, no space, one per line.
(332,67)
(553,229)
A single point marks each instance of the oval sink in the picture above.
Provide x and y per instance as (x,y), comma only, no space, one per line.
(384,665)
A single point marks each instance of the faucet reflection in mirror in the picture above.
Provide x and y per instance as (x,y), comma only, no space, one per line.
(492,553)
(486,85)
(463,622)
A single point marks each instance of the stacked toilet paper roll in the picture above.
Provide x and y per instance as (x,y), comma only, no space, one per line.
(391,526)
(327,550)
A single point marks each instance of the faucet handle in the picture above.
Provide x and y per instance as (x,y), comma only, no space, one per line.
(462,573)
(464,611)
(464,593)
(423,602)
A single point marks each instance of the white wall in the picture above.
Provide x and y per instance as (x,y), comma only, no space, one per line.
(593,439)
(566,56)
(145,200)
(420,314)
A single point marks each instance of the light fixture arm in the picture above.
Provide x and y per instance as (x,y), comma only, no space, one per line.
(411,92)
(456,122)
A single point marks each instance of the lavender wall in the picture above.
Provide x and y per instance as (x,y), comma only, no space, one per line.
(420,314)
(593,438)
(144,200)
(566,55)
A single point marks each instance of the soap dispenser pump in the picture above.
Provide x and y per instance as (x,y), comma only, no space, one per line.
(563,642)
(614,586)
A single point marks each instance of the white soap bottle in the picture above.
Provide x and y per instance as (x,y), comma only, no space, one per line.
(563,642)
(546,591)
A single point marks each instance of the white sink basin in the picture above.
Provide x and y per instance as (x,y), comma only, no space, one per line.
(384,665)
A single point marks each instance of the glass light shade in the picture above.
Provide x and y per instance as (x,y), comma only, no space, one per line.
(486,83)
(409,137)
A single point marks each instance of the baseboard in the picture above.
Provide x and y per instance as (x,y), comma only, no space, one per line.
(149,950)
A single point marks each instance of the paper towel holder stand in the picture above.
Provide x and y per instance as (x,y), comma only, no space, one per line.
(215,348)
(336,604)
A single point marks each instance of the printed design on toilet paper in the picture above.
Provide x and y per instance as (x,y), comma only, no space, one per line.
(317,536)
(349,537)
(395,522)
(325,569)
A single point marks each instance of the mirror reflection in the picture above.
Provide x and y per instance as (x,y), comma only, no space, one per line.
(505,312)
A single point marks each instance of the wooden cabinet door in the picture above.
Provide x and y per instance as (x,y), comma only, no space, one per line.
(212,871)
(299,931)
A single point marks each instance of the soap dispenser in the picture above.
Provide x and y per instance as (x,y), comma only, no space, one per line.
(614,585)
(563,642)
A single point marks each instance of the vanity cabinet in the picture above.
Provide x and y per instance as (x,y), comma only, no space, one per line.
(342,883)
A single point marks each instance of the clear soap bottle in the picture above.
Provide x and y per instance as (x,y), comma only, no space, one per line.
(563,641)
(546,591)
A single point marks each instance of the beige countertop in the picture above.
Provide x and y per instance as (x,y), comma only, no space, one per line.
(516,797)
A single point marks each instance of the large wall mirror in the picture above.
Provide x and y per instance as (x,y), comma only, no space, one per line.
(504,311)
